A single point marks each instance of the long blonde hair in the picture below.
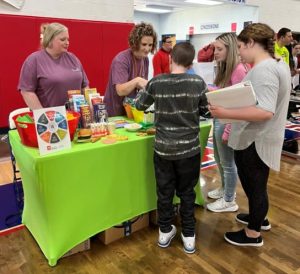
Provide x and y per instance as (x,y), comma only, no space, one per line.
(226,68)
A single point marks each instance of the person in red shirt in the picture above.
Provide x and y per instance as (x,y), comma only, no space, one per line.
(161,59)
(206,54)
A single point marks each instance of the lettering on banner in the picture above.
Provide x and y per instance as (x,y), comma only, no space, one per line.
(237,1)
(209,26)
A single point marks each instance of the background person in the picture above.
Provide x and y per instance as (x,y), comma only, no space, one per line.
(179,99)
(284,38)
(296,69)
(230,71)
(206,54)
(161,59)
(48,74)
(257,140)
(129,69)
(43,27)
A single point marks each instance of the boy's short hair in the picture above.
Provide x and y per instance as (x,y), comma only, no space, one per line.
(183,54)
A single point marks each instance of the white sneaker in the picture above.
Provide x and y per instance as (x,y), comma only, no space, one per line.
(216,193)
(221,205)
(164,239)
(189,244)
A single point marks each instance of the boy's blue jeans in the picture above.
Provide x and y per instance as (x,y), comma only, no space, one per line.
(180,176)
(224,157)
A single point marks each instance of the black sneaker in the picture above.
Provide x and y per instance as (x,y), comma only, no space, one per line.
(241,239)
(244,219)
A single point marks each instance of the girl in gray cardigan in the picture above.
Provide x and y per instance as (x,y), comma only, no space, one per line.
(257,140)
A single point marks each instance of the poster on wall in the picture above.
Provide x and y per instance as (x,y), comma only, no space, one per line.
(247,23)
(15,3)
(233,27)
(191,30)
(52,129)
(172,37)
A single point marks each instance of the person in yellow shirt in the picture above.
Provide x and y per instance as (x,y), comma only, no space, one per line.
(284,38)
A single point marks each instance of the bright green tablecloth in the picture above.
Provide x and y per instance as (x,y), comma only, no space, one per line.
(73,194)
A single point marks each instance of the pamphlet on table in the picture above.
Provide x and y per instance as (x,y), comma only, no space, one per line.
(52,129)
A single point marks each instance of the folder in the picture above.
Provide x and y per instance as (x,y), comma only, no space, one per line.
(236,96)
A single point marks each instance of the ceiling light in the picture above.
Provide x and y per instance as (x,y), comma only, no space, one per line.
(152,10)
(204,2)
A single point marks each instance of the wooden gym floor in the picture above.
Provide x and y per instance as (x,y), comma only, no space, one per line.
(139,253)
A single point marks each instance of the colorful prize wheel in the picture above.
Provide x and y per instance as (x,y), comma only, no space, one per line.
(52,127)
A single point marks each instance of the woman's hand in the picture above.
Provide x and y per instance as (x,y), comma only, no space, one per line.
(130,86)
(251,114)
(217,111)
(141,83)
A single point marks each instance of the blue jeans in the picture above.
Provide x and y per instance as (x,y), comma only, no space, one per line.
(224,157)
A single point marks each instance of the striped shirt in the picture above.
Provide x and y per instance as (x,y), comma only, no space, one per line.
(179,100)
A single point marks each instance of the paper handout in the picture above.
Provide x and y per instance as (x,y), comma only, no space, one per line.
(52,129)
(236,96)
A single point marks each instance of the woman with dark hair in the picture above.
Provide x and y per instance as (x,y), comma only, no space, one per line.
(257,139)
(129,69)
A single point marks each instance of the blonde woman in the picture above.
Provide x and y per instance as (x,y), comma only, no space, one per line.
(48,74)
(230,71)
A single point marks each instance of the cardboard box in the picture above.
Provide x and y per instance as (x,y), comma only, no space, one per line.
(117,232)
(153,217)
(86,245)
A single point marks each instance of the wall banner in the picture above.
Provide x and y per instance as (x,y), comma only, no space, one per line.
(18,4)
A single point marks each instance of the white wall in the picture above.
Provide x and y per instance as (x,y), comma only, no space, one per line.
(279,13)
(201,40)
(224,15)
(148,18)
(276,13)
(99,10)
(179,22)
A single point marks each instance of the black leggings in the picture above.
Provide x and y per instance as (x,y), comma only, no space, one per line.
(254,174)
(180,176)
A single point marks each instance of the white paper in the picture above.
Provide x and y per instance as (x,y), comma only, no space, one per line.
(236,96)
(52,129)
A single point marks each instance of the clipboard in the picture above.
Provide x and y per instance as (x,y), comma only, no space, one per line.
(236,96)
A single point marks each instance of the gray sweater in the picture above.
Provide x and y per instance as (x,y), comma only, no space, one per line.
(271,81)
(179,100)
